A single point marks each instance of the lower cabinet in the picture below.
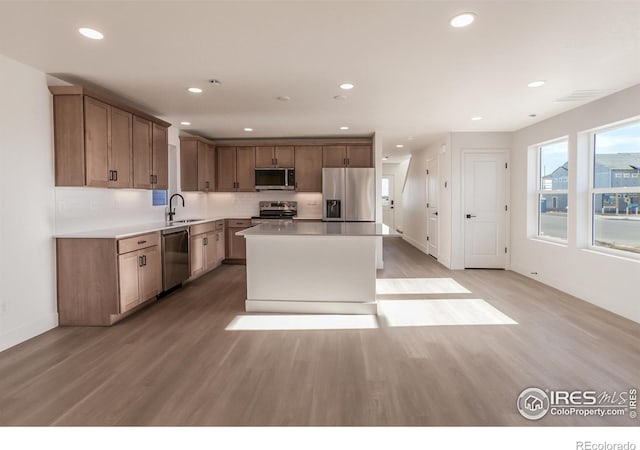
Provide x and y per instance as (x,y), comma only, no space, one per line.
(100,281)
(206,246)
(140,277)
(236,247)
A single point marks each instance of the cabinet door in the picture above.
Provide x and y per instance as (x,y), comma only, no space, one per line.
(142,149)
(334,155)
(236,245)
(189,165)
(97,119)
(210,250)
(245,169)
(121,152)
(308,165)
(196,253)
(284,156)
(151,273)
(128,271)
(220,246)
(359,156)
(264,157)
(211,167)
(160,163)
(226,169)
(206,167)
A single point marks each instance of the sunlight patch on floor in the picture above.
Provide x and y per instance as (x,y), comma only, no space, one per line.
(302,322)
(386,286)
(421,313)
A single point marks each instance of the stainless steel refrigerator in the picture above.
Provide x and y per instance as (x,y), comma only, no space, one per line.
(348,195)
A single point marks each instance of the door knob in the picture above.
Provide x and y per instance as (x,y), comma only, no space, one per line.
(469,216)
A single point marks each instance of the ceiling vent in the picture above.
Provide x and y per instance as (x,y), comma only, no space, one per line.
(584,95)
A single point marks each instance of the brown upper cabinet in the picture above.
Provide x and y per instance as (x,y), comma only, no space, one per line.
(95,140)
(150,155)
(308,159)
(197,164)
(275,156)
(347,156)
(235,169)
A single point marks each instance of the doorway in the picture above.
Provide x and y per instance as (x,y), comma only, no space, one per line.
(431,186)
(388,201)
(485,209)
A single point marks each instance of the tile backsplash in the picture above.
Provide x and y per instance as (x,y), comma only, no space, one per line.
(79,209)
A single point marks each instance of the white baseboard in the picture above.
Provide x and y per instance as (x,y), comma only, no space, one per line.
(416,244)
(305,307)
(27,331)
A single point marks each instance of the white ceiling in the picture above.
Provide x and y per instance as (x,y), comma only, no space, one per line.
(414,75)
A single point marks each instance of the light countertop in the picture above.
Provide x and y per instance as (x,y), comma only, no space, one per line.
(131,230)
(320,229)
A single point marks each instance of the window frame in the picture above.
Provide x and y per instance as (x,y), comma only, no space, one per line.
(549,192)
(593,191)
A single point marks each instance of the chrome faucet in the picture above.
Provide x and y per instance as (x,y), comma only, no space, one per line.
(172,211)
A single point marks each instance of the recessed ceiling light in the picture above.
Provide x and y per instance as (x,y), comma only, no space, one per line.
(536,83)
(284,98)
(463,20)
(91,33)
(344,128)
(399,145)
(476,118)
(340,97)
(346,86)
(185,123)
(248,129)
(194,90)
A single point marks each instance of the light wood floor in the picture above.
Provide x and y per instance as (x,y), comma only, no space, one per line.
(175,364)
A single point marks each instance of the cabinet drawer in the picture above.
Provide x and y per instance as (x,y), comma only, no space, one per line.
(194,230)
(137,242)
(237,223)
(219,225)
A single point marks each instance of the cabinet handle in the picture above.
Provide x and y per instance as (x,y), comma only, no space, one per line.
(151,179)
(111,175)
(348,161)
(205,241)
(140,261)
(115,175)
(144,260)
(155,179)
(344,161)
(142,242)
(217,237)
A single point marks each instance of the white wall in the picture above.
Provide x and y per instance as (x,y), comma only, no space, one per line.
(572,268)
(27,251)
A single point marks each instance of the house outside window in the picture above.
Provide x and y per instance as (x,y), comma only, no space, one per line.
(553,184)
(615,188)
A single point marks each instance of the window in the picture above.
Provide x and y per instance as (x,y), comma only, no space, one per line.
(553,184)
(615,191)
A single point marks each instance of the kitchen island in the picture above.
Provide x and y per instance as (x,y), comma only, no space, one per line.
(326,268)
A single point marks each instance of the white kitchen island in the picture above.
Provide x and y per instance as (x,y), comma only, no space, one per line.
(316,267)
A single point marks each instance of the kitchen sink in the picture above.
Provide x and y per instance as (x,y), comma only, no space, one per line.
(187,220)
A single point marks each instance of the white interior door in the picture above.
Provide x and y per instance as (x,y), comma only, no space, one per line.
(485,210)
(388,208)
(432,207)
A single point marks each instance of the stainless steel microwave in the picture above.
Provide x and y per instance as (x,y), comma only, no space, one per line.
(275,179)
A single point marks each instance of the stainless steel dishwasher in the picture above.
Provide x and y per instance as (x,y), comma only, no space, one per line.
(175,257)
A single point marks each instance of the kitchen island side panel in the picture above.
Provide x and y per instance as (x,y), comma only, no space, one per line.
(311,268)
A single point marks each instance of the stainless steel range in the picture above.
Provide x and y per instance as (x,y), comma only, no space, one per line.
(276,212)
